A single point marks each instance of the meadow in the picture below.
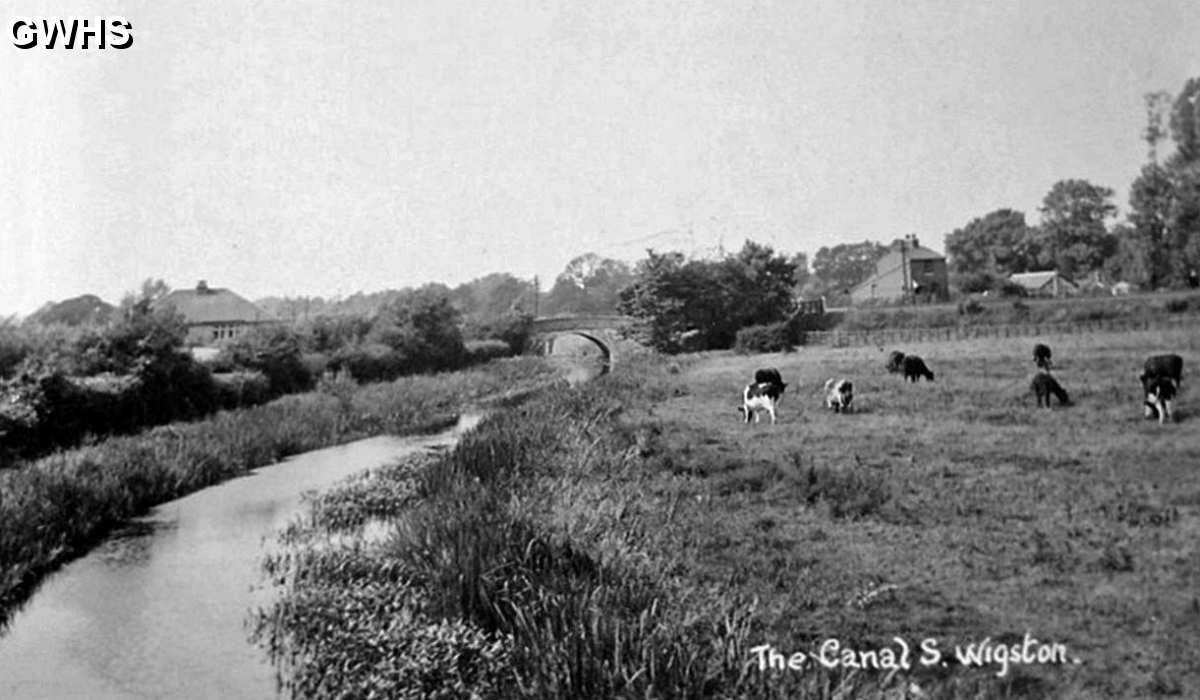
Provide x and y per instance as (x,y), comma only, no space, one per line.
(633,538)
(57,507)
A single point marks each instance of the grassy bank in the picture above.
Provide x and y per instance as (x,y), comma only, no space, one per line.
(56,507)
(981,311)
(633,538)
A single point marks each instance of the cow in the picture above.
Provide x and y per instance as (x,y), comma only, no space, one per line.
(894,361)
(1044,386)
(1041,356)
(839,394)
(760,397)
(1170,366)
(1160,395)
(914,368)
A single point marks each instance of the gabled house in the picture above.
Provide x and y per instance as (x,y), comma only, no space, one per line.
(1047,283)
(906,271)
(214,315)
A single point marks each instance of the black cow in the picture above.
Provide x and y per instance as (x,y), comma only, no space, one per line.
(1044,386)
(769,375)
(1170,366)
(1041,356)
(914,368)
(894,361)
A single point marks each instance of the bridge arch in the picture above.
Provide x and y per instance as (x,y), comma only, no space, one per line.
(601,330)
(605,349)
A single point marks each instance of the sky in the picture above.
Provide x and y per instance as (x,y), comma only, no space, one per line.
(326,148)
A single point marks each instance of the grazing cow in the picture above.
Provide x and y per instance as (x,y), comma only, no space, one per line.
(894,361)
(914,368)
(1044,386)
(763,394)
(1041,356)
(1170,366)
(839,394)
(1160,394)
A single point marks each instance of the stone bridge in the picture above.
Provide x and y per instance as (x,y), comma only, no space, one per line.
(601,329)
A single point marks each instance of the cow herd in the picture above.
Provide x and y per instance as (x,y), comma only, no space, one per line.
(1160,378)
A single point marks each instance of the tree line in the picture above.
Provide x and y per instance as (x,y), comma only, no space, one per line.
(1157,246)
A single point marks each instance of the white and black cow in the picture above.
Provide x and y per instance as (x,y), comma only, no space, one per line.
(839,394)
(762,395)
(1044,386)
(1160,397)
(1041,356)
(1161,377)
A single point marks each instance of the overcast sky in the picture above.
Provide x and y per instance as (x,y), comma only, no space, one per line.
(324,148)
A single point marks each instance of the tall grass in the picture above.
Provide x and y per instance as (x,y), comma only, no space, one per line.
(57,507)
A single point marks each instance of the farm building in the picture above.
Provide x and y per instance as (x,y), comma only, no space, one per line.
(907,267)
(214,315)
(1047,283)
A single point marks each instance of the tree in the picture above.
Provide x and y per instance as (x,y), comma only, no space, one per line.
(1151,200)
(1157,106)
(588,284)
(1074,235)
(760,285)
(847,264)
(1185,122)
(488,298)
(423,326)
(997,244)
(674,297)
(800,264)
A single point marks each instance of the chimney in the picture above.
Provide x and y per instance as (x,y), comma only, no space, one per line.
(202,287)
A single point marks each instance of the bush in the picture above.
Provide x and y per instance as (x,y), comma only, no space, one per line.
(773,337)
(238,389)
(372,362)
(513,329)
(275,352)
(479,351)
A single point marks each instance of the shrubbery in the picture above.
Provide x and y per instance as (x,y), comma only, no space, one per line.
(479,351)
(774,337)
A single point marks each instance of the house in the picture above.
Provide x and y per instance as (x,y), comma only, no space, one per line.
(214,315)
(907,271)
(1047,283)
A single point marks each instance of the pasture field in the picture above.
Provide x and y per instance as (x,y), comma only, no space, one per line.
(633,538)
(971,512)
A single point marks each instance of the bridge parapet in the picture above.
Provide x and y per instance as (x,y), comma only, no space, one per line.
(581,322)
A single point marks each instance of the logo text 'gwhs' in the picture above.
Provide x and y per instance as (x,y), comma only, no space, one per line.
(73,33)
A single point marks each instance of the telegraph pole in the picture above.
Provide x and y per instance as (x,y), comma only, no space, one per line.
(537,292)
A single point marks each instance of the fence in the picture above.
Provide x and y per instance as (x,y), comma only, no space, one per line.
(888,336)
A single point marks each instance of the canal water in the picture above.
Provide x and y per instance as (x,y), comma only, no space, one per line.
(161,608)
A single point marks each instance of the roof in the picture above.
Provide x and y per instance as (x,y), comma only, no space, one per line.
(213,305)
(920,253)
(1037,280)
